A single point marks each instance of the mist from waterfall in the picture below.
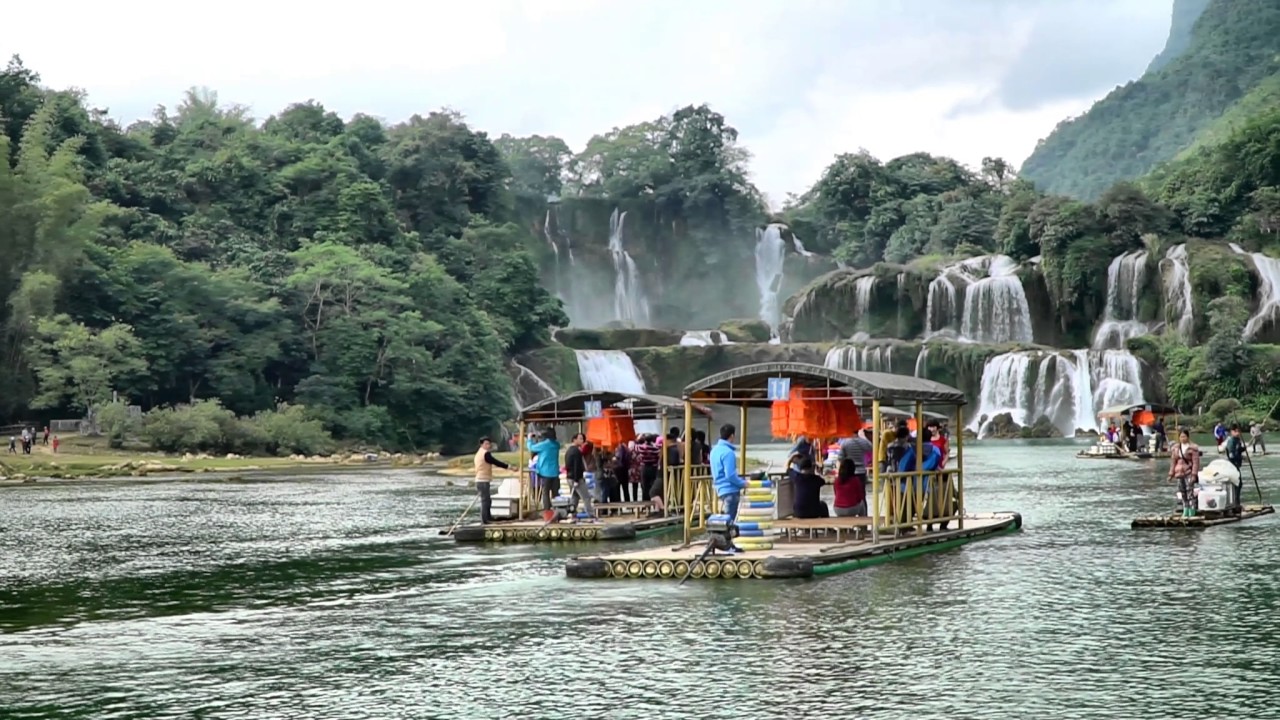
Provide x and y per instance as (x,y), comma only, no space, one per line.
(1126,276)
(1069,389)
(1175,274)
(630,304)
(869,358)
(613,371)
(771,255)
(1269,303)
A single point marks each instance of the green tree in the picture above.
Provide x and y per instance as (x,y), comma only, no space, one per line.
(79,367)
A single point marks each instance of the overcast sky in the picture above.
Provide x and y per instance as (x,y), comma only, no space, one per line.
(800,79)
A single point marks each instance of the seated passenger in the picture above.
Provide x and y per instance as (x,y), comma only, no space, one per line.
(808,488)
(851,490)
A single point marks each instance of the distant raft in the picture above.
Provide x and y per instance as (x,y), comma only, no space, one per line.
(1248,512)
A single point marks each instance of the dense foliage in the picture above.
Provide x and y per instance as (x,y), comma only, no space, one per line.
(1229,59)
(368,275)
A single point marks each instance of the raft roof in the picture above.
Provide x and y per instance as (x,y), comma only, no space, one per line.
(1116,411)
(893,412)
(748,385)
(572,407)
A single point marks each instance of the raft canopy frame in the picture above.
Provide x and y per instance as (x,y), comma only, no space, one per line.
(748,386)
(572,408)
(1118,411)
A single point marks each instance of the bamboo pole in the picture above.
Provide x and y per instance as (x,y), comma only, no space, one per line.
(524,506)
(877,434)
(960,464)
(688,476)
(918,489)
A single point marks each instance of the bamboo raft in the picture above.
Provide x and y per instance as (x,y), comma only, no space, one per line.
(1248,512)
(537,531)
(831,546)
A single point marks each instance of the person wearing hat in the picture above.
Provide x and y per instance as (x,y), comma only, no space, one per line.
(484,463)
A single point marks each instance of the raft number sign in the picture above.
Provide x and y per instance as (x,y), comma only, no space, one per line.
(592,409)
(779,388)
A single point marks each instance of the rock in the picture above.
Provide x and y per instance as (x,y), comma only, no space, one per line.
(233,456)
(619,339)
(746,331)
(1041,428)
(188,457)
(1003,426)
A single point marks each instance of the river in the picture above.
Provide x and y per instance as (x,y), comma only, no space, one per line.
(335,597)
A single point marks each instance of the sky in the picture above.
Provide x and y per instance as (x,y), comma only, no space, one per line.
(802,80)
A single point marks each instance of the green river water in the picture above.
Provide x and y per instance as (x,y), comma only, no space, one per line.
(335,597)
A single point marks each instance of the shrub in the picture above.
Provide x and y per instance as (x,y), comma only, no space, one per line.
(115,424)
(1224,408)
(289,429)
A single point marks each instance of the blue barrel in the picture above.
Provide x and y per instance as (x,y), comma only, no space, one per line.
(760,504)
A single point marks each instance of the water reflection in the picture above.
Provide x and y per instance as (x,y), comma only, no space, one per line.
(336,598)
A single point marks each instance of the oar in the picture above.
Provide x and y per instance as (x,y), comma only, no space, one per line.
(1256,486)
(460,517)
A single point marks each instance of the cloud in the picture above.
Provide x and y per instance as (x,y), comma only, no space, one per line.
(801,79)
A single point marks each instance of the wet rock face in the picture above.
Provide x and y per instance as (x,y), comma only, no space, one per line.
(1003,426)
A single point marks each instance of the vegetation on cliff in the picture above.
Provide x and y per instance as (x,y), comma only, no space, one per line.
(1230,53)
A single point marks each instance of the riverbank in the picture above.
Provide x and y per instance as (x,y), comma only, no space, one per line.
(89,458)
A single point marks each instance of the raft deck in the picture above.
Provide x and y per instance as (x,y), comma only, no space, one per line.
(526,531)
(1248,512)
(816,551)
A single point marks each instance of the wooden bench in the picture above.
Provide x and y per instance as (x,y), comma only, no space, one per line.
(635,509)
(793,527)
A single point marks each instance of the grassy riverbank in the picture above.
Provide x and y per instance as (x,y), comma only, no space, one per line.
(84,457)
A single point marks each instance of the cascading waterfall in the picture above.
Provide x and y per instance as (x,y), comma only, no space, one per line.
(612,371)
(630,304)
(1176,275)
(1269,304)
(698,338)
(771,255)
(1125,278)
(528,387)
(995,306)
(981,298)
(921,361)
(862,289)
(1069,390)
(870,358)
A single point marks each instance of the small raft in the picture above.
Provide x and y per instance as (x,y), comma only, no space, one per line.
(1176,520)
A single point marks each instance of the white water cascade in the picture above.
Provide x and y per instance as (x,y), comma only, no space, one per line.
(528,387)
(1269,304)
(862,289)
(994,307)
(613,371)
(1176,276)
(771,254)
(921,361)
(1125,278)
(701,338)
(1068,389)
(870,358)
(630,305)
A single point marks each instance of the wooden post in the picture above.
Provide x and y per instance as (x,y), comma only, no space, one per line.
(873,499)
(524,505)
(662,462)
(742,440)
(688,475)
(918,490)
(960,464)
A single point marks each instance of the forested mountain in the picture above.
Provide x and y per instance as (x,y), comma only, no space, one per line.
(1231,59)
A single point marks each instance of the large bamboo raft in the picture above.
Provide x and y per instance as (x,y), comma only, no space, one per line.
(1248,512)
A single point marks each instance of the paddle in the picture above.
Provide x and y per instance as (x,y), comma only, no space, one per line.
(1256,486)
(460,517)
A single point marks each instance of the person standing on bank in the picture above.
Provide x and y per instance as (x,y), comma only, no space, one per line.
(485,462)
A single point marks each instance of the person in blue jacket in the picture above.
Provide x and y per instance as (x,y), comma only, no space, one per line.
(932,461)
(548,466)
(724,472)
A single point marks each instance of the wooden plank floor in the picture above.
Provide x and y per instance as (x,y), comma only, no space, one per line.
(817,550)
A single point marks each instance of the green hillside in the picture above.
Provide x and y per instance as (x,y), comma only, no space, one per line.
(1227,72)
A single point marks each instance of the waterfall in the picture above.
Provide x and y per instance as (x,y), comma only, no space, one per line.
(942,308)
(1176,275)
(630,305)
(922,361)
(1126,276)
(871,358)
(697,338)
(613,371)
(799,246)
(771,252)
(1269,304)
(529,388)
(1069,390)
(862,289)
(555,248)
(995,307)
